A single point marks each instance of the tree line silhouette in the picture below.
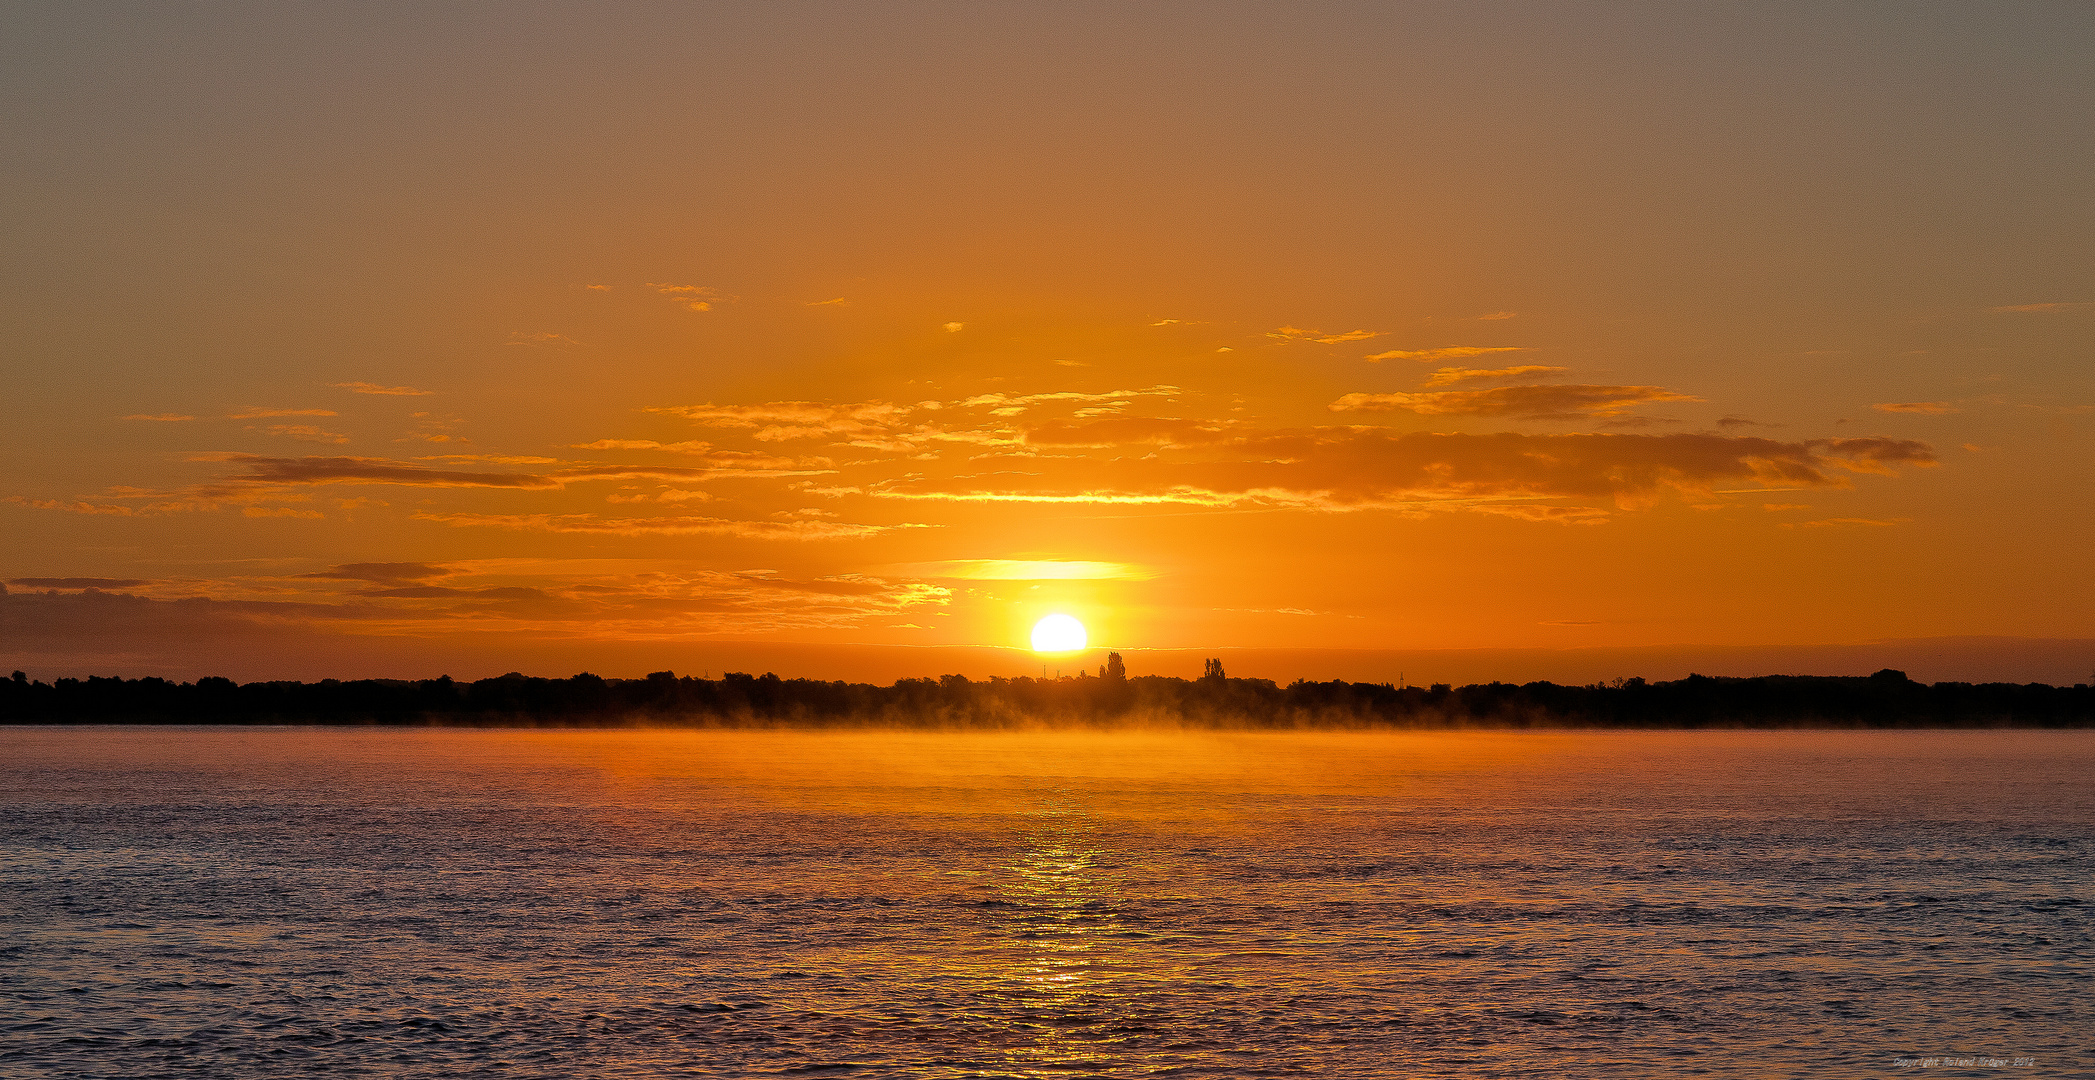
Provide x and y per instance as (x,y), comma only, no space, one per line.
(1887,699)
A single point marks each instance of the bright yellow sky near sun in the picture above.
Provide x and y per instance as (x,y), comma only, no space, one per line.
(1329,327)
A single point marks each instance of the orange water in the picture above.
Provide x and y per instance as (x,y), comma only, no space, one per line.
(432,903)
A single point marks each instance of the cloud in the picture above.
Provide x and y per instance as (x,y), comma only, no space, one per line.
(521,338)
(954,327)
(279,511)
(1635,423)
(76,506)
(598,288)
(1452,352)
(1127,431)
(670,495)
(667,526)
(1497,315)
(437,592)
(692,297)
(1926,408)
(374,388)
(499,459)
(1846,523)
(1449,376)
(1729,423)
(77,582)
(779,421)
(269,471)
(307,433)
(1368,467)
(2043,309)
(163,417)
(260,414)
(1166,322)
(826,303)
(382,573)
(287,619)
(715,459)
(1296,333)
(1554,515)
(1534,402)
(1072,396)
(637,444)
(1025,570)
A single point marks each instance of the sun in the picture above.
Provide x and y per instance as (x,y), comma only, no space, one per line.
(1058,633)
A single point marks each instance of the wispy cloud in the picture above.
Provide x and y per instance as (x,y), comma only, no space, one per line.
(667,526)
(2043,309)
(1846,523)
(839,301)
(1296,333)
(778,421)
(551,600)
(1450,376)
(76,506)
(1128,431)
(521,338)
(274,471)
(1497,315)
(1024,570)
(388,391)
(691,297)
(307,433)
(1531,402)
(259,414)
(384,573)
(955,327)
(163,417)
(1062,396)
(1926,408)
(1370,468)
(77,582)
(737,460)
(1451,352)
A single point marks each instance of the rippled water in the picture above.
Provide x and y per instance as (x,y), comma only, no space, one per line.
(437,903)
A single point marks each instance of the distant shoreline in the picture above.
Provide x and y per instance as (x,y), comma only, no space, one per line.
(1885,700)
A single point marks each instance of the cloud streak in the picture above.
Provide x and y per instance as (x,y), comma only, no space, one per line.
(1452,352)
(1452,376)
(1523,402)
(666,526)
(691,297)
(385,391)
(1366,468)
(1296,333)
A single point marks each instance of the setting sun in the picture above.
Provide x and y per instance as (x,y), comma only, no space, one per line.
(1058,633)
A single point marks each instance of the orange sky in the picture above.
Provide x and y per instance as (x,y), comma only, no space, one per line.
(386,341)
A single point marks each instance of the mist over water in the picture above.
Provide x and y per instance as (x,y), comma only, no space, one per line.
(444,902)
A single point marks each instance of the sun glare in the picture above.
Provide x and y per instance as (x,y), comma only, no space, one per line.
(1058,633)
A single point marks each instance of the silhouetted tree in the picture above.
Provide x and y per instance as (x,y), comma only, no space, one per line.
(1114,670)
(1212,669)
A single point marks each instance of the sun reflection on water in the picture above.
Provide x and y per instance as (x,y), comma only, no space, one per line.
(1069,959)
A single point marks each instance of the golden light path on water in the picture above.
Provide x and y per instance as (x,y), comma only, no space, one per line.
(430,903)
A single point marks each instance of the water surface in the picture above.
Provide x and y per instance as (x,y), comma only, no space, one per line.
(251,902)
